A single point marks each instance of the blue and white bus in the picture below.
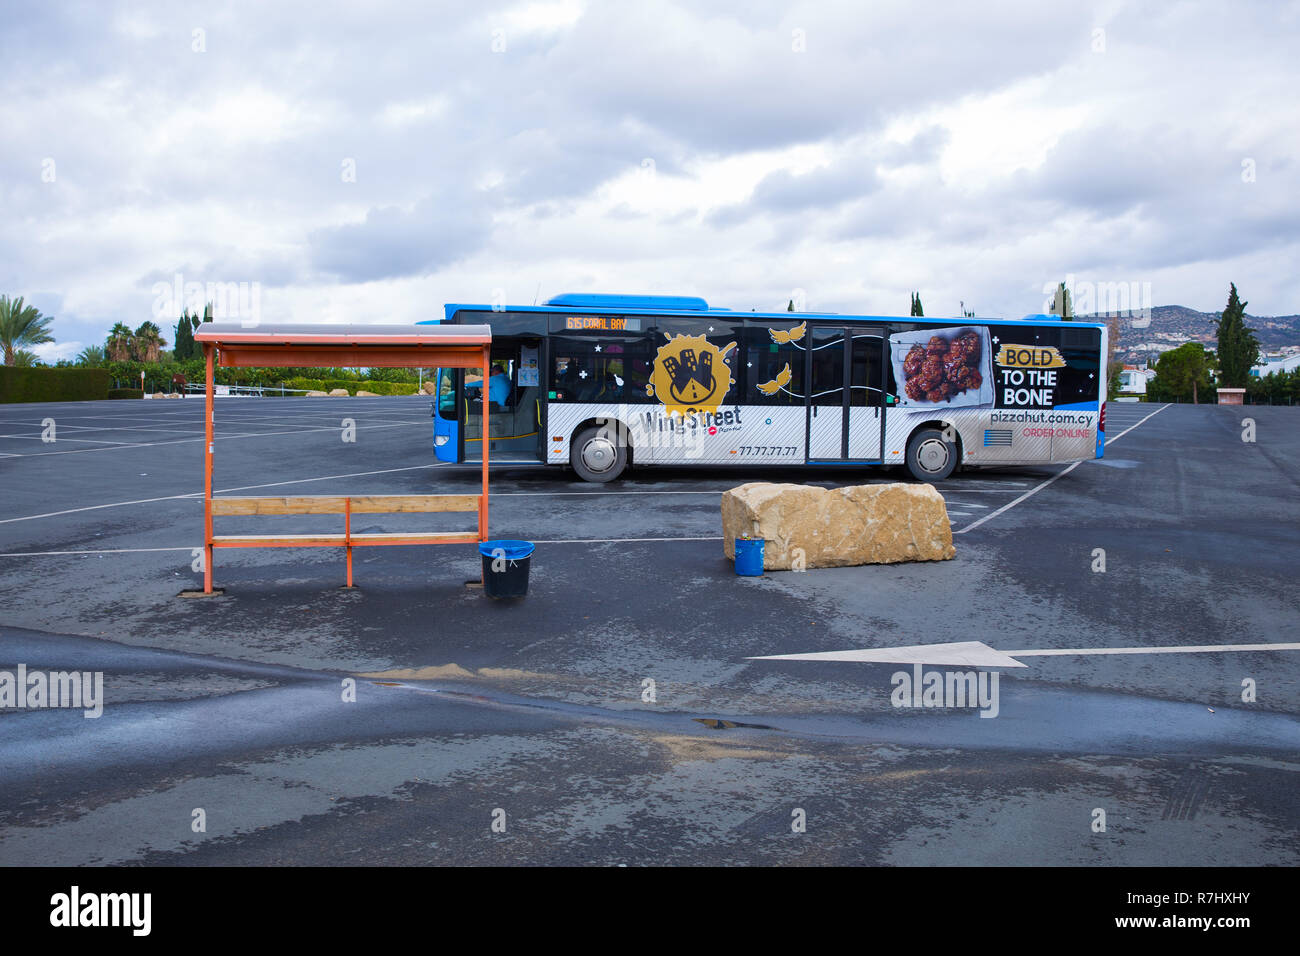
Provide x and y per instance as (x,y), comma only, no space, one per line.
(602,383)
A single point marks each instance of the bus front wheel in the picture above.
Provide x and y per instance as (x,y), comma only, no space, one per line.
(930,456)
(598,454)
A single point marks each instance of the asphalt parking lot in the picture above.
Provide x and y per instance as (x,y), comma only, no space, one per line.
(536,712)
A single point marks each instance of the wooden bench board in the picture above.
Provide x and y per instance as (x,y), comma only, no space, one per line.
(338,504)
(279,540)
(341,540)
(418,537)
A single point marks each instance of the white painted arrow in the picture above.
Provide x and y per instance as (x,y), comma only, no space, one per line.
(1175,649)
(979,654)
(963,653)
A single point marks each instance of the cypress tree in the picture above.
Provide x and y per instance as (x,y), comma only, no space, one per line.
(916,304)
(1238,348)
(1061,304)
(185,345)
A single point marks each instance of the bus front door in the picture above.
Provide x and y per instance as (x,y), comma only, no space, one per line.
(845,395)
(446,421)
(513,393)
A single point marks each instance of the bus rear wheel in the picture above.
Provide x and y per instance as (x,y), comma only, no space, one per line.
(930,456)
(598,454)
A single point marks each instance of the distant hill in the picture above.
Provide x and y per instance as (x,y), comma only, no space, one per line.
(1172,325)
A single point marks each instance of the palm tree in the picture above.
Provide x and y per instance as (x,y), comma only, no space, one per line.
(148,341)
(21,325)
(121,343)
(91,356)
(25,359)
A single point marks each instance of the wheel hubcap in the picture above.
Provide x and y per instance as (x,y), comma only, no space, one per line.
(598,454)
(932,455)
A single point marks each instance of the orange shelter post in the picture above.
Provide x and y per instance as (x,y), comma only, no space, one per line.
(207,469)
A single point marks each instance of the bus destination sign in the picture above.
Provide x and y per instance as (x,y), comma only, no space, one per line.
(602,323)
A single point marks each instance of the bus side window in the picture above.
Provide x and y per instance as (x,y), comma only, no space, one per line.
(605,369)
(636,377)
(567,377)
(769,381)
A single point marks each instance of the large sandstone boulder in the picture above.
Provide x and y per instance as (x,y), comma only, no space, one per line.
(317,394)
(338,393)
(362,393)
(430,387)
(837,527)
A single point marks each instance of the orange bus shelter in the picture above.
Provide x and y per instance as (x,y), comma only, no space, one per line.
(232,344)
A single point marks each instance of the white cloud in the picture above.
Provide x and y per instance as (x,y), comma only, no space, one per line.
(413,111)
(541,17)
(973,154)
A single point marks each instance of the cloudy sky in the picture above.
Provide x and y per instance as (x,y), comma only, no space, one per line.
(369,161)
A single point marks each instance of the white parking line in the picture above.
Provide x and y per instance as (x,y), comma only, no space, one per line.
(303,481)
(591,494)
(975,483)
(37,554)
(1133,426)
(113,504)
(618,540)
(1011,504)
(195,429)
(156,419)
(84,441)
(1037,488)
(182,441)
(195,426)
(305,419)
(1009,490)
(218,491)
(621,494)
(365,474)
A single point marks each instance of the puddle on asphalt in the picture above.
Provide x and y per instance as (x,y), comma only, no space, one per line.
(1031,718)
(718,723)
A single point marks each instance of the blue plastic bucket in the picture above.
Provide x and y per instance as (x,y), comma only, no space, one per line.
(749,557)
(505,567)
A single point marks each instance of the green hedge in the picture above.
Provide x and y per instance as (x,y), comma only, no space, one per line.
(352,385)
(158,377)
(1276,388)
(52,384)
(125,393)
(388,388)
